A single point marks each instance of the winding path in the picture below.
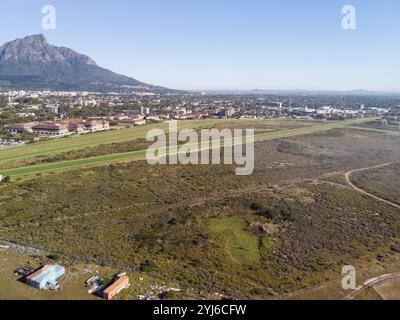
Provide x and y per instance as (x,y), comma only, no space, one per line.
(348,180)
(387,277)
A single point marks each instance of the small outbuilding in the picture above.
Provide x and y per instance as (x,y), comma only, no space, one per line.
(116,287)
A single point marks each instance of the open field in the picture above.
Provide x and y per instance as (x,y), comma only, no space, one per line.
(290,226)
(140,154)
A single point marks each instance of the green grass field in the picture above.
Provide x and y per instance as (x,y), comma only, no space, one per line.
(82,141)
(55,146)
(77,142)
(240,245)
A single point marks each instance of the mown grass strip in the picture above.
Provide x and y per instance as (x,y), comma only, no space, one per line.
(90,140)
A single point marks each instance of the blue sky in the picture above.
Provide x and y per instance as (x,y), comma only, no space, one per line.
(226,44)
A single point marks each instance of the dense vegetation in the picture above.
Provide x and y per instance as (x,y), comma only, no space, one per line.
(281,229)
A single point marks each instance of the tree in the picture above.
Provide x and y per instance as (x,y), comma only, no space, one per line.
(3,101)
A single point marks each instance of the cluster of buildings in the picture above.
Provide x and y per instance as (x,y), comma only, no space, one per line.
(47,277)
(131,109)
(59,128)
(227,112)
(130,122)
(10,143)
(118,283)
(391,119)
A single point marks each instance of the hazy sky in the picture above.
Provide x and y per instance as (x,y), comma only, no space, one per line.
(226,44)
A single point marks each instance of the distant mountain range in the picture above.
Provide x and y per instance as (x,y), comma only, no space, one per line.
(33,63)
(360,92)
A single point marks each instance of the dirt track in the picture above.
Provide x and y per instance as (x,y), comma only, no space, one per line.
(348,179)
(372,283)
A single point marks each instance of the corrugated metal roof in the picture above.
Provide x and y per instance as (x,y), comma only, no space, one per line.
(48,274)
(116,286)
(37,272)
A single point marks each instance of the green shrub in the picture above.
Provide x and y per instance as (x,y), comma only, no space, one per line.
(148,266)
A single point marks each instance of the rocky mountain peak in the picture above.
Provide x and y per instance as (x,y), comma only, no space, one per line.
(35,48)
(32,62)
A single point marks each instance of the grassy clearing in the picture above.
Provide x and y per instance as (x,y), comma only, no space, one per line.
(240,245)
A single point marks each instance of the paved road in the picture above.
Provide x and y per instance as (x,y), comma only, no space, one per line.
(348,179)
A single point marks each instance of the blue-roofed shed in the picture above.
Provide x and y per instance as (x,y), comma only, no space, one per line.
(48,276)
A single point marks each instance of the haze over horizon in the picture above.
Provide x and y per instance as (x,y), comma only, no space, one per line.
(229,45)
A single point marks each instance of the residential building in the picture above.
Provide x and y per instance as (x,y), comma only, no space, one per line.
(52,109)
(131,122)
(97,125)
(75,125)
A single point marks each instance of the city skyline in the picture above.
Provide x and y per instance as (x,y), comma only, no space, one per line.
(272,45)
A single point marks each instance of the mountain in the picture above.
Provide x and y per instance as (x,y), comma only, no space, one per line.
(33,63)
(359,92)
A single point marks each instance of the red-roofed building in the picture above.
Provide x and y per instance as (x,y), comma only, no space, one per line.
(51,129)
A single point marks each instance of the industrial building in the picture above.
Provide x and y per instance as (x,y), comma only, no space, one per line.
(45,277)
(116,287)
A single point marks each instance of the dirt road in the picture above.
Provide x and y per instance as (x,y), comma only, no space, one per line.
(348,179)
(372,283)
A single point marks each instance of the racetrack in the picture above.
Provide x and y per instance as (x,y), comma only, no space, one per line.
(135,155)
(77,142)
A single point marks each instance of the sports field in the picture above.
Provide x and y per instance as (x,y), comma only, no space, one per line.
(77,142)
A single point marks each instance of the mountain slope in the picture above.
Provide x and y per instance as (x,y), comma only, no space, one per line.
(33,63)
